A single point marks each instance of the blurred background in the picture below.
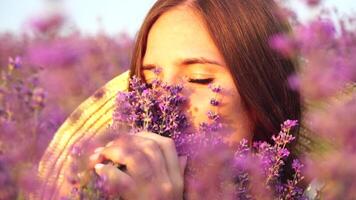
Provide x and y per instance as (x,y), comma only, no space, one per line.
(109,16)
(56,53)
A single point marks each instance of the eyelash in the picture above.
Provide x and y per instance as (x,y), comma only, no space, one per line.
(204,81)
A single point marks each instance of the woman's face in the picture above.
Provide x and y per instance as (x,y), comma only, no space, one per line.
(179,43)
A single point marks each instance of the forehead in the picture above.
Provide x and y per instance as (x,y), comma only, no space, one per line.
(180,33)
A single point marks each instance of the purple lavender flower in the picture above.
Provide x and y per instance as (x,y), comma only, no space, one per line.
(288,124)
(158,110)
(213,115)
(213,164)
(297,165)
(197,145)
(283,44)
(15,63)
(157,70)
(45,25)
(215,88)
(214,102)
(38,98)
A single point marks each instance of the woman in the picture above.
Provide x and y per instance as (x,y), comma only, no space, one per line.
(224,42)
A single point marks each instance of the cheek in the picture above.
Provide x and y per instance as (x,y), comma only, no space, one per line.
(235,117)
(231,108)
(230,103)
(198,103)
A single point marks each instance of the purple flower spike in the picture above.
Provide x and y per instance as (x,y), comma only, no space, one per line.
(156,109)
(288,124)
(213,115)
(215,88)
(214,102)
(157,70)
(283,138)
(15,63)
(297,165)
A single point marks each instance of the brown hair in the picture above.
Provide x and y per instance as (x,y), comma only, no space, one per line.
(241,30)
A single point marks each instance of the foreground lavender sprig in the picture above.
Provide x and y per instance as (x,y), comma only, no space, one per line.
(325,50)
(272,160)
(244,171)
(22,104)
(157,110)
(227,172)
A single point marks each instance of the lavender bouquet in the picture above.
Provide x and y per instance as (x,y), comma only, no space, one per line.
(215,169)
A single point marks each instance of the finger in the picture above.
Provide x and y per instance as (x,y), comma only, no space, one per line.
(169,152)
(168,149)
(115,182)
(182,163)
(96,157)
(153,151)
(136,162)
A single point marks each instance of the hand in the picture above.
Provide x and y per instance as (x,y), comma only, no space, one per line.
(153,169)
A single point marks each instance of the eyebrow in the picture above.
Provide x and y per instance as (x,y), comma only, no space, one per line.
(200,60)
(189,61)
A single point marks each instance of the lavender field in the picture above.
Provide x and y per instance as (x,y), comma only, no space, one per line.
(48,71)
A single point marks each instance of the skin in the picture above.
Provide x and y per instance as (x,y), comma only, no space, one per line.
(151,160)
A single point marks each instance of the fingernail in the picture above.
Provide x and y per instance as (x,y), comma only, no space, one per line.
(98,166)
(97,150)
(110,143)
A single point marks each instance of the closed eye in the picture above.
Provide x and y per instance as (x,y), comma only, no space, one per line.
(204,81)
